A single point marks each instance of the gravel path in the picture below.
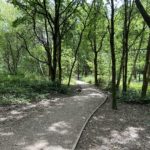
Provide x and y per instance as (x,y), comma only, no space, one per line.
(53,125)
(128,128)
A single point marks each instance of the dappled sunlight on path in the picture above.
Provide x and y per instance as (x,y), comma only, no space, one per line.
(128,128)
(53,125)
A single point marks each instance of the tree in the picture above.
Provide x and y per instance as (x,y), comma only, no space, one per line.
(127,23)
(10,45)
(12,52)
(113,55)
(54,20)
(133,70)
(84,23)
(97,34)
(146,71)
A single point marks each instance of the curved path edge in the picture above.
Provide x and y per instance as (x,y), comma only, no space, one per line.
(86,122)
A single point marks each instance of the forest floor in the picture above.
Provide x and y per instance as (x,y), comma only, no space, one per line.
(51,124)
(128,128)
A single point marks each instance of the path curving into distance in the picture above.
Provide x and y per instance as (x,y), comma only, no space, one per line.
(55,125)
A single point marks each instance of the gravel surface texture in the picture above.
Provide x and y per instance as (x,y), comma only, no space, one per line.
(52,124)
(128,128)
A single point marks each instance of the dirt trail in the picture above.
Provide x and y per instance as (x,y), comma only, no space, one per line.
(53,126)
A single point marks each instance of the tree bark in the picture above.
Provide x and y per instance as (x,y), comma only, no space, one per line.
(59,64)
(113,57)
(125,44)
(146,71)
(95,69)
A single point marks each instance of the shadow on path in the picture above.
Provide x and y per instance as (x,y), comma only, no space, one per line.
(53,125)
(128,128)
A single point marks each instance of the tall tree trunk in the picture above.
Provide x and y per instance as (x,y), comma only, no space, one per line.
(112,46)
(125,47)
(95,46)
(56,40)
(146,71)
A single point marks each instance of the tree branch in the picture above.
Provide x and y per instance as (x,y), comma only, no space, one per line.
(143,12)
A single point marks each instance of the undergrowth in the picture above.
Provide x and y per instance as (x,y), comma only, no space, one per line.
(21,89)
(133,94)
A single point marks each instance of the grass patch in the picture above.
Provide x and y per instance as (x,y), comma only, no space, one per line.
(20,89)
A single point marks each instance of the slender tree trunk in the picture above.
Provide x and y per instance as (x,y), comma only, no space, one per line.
(95,69)
(59,63)
(78,72)
(146,71)
(112,46)
(75,55)
(125,47)
(135,60)
(78,46)
(72,67)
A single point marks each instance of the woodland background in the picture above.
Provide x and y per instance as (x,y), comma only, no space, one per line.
(46,45)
